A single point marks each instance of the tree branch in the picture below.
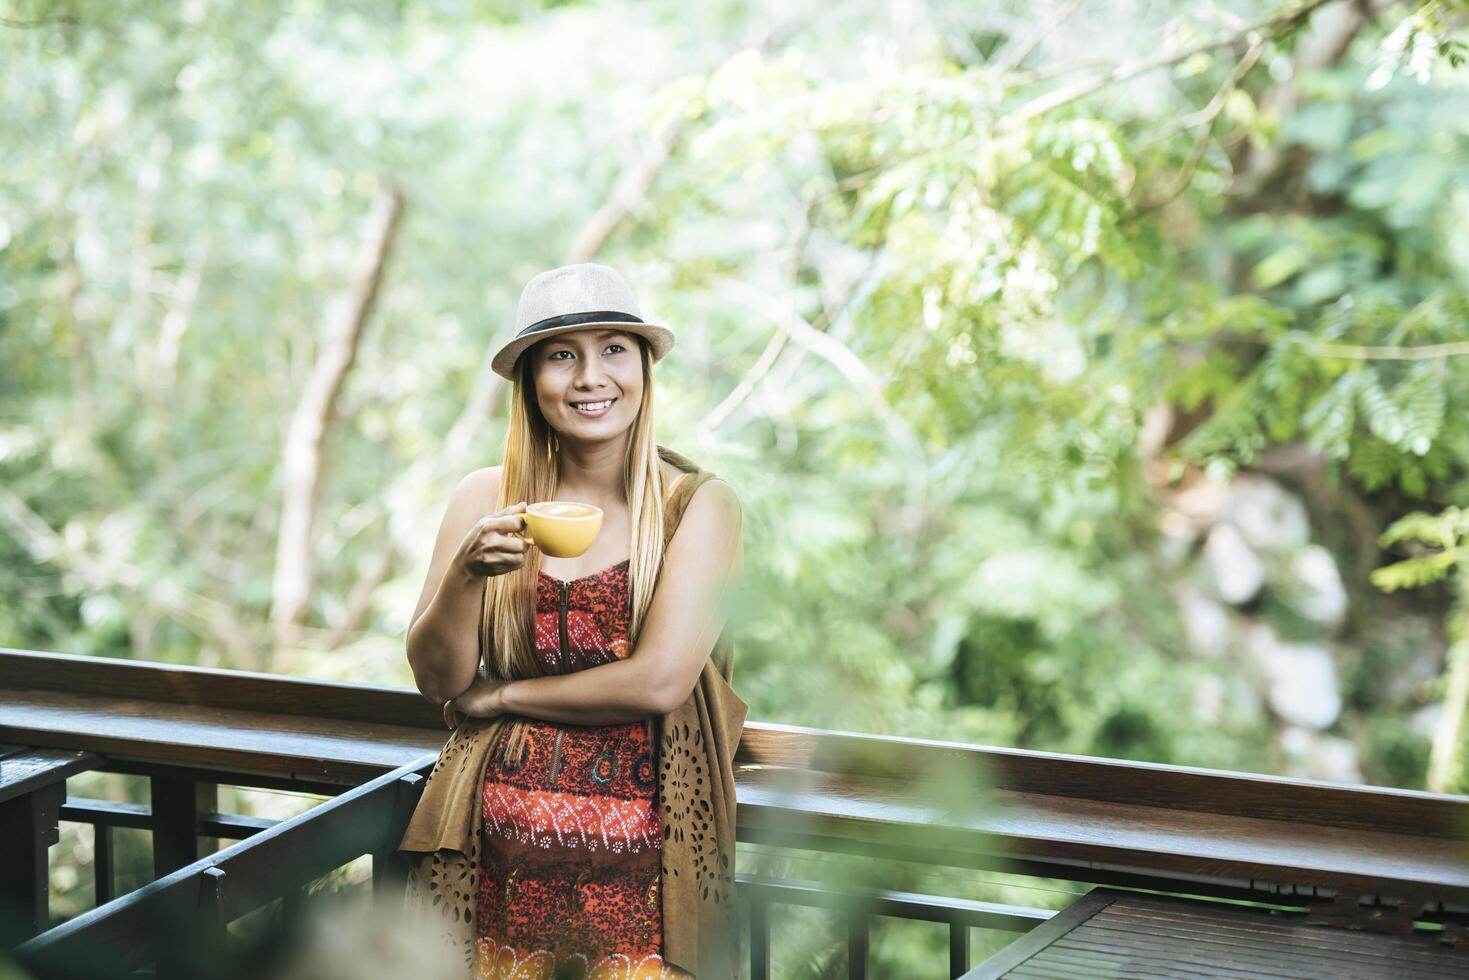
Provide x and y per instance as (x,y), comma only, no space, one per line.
(31,24)
(1204,117)
(771,354)
(314,416)
(852,367)
(1427,352)
(1014,53)
(630,191)
(1084,87)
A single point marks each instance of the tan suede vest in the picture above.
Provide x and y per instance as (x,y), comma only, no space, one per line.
(701,928)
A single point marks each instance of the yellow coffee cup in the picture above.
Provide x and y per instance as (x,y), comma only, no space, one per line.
(561,528)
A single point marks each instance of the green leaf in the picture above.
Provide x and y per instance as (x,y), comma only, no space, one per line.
(1330,421)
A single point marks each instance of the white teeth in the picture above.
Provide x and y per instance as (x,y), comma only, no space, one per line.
(592,406)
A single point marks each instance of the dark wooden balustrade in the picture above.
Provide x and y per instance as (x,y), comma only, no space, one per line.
(201,898)
(1350,856)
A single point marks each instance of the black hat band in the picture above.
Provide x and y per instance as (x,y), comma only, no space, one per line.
(567,319)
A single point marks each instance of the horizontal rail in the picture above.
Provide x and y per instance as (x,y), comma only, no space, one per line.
(298,748)
(400,716)
(213,687)
(1150,786)
(109,813)
(1100,821)
(894,904)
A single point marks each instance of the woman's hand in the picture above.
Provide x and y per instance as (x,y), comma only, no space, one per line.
(481,700)
(492,546)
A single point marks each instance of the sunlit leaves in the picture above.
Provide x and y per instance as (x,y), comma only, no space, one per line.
(1447,533)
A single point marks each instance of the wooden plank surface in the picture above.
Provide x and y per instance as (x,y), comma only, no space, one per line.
(25,770)
(211,687)
(1122,934)
(296,745)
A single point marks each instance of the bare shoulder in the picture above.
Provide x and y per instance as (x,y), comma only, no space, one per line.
(707,544)
(714,507)
(481,488)
(721,494)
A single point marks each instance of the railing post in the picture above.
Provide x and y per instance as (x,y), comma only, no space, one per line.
(177,806)
(102,861)
(759,938)
(28,826)
(857,924)
(389,870)
(187,928)
(958,949)
(212,924)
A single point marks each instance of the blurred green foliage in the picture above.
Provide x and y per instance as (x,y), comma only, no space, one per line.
(925,306)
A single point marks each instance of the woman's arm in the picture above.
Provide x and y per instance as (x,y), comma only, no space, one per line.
(683,624)
(443,636)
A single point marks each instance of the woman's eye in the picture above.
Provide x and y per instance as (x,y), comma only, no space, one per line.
(553,355)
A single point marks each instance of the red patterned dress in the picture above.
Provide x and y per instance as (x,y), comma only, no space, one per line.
(568,878)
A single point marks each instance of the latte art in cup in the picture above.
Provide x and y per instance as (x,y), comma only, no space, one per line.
(563,508)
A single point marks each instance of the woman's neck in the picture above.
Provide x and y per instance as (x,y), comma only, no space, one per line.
(592,472)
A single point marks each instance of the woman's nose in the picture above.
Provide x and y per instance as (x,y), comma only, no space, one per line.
(589,372)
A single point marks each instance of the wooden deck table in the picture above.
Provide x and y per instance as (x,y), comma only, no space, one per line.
(1110,933)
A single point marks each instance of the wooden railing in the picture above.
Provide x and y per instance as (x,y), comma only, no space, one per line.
(1347,855)
(179,921)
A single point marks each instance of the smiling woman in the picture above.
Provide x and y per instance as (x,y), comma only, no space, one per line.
(567,823)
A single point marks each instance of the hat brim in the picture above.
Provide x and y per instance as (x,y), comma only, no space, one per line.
(659,337)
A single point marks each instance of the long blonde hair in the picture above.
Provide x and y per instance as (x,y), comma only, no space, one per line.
(531,473)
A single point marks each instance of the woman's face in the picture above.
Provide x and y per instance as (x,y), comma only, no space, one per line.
(584,367)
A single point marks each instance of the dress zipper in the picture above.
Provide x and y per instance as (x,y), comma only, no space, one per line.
(565,651)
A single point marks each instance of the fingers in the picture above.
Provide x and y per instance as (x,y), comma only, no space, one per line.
(517,530)
(502,540)
(510,519)
(515,544)
(507,528)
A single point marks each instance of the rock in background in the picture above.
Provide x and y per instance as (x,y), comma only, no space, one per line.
(1269,605)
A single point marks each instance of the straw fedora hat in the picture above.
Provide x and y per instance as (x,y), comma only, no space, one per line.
(576,297)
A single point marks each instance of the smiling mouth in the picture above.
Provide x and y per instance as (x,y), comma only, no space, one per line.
(593,408)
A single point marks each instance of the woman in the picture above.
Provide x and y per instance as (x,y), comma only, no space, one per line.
(575,789)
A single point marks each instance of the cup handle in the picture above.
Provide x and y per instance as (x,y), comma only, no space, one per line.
(524,536)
